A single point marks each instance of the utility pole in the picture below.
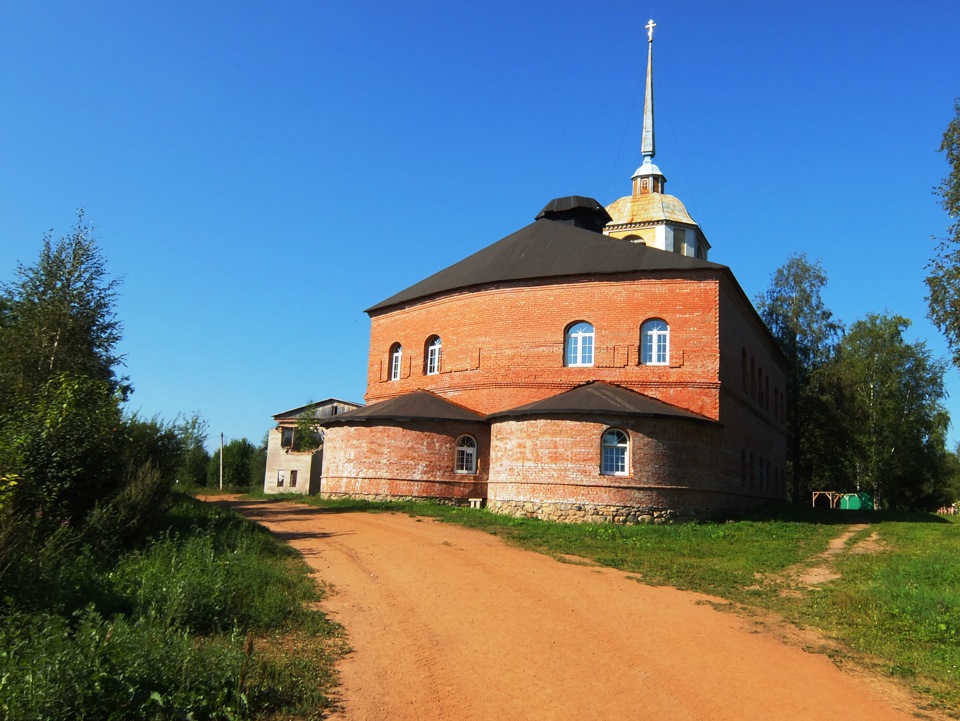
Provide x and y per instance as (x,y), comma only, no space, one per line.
(221,461)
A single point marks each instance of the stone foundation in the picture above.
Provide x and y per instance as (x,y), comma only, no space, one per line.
(589,513)
(377,497)
(557,512)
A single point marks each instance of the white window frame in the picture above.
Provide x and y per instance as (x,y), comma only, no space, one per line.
(433,356)
(614,453)
(465,460)
(655,342)
(396,361)
(578,345)
(466,456)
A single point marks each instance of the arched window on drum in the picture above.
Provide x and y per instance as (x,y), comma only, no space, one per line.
(466,460)
(614,453)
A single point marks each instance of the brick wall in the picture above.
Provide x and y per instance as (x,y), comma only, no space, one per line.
(413,460)
(538,463)
(503,346)
(752,402)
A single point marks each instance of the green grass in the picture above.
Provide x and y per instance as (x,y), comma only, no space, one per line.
(212,618)
(900,605)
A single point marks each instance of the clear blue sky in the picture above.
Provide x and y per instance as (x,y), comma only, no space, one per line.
(259,173)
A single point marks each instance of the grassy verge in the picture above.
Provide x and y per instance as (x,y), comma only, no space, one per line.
(900,604)
(211,618)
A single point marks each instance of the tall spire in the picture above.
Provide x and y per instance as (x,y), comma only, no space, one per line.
(648,147)
(648,178)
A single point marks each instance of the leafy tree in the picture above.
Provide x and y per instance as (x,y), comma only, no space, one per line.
(240,461)
(194,460)
(794,311)
(60,420)
(827,446)
(64,448)
(896,415)
(58,317)
(258,464)
(153,442)
(307,436)
(953,475)
(192,470)
(943,282)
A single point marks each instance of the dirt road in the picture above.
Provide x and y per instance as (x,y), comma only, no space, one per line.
(448,623)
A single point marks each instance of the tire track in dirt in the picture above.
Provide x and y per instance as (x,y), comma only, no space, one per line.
(449,623)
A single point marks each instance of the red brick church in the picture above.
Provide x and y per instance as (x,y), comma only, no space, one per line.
(593,365)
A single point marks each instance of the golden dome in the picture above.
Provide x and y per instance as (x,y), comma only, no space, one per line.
(651,208)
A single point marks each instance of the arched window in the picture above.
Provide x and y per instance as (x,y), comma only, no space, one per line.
(614,446)
(433,356)
(655,343)
(396,358)
(578,345)
(466,461)
(743,368)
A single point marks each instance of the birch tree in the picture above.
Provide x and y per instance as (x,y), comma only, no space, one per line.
(896,414)
(794,311)
(943,280)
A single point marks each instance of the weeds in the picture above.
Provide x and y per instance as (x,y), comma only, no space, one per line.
(209,619)
(901,605)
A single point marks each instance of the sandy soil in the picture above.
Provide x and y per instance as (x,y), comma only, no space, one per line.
(448,623)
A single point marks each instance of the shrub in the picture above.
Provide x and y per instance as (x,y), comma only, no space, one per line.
(226,577)
(129,515)
(87,667)
(205,621)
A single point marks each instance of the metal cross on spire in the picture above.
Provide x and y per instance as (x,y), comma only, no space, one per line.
(648,146)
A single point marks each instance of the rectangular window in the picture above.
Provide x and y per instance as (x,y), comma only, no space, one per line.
(466,461)
(661,348)
(395,367)
(433,360)
(586,350)
(286,437)
(293,479)
(280,479)
(614,461)
(679,241)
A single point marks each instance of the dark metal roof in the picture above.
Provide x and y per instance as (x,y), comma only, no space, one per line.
(544,249)
(419,405)
(600,398)
(578,210)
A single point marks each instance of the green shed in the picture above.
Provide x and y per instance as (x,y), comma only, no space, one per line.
(856,501)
